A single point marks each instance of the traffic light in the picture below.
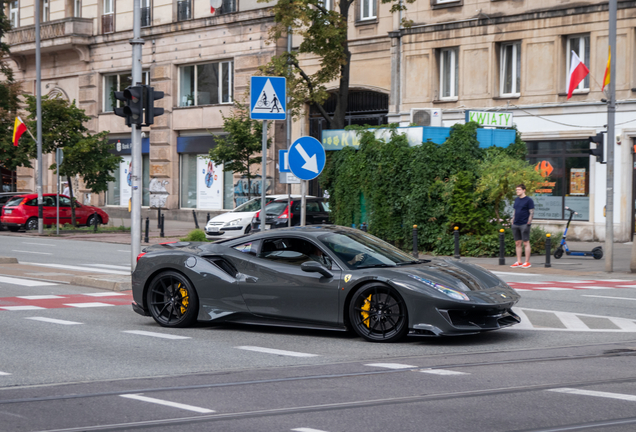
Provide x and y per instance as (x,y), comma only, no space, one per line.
(151,96)
(119,95)
(599,151)
(134,108)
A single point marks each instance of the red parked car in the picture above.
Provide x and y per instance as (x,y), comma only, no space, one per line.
(21,211)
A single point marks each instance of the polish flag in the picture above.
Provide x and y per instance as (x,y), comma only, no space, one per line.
(18,129)
(578,72)
(214,5)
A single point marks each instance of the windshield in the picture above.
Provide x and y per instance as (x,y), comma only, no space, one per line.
(252,205)
(358,250)
(14,201)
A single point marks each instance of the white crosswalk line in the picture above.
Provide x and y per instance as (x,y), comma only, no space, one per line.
(20,308)
(24,282)
(596,287)
(40,297)
(630,398)
(276,352)
(391,365)
(442,372)
(157,335)
(571,321)
(87,305)
(52,320)
(608,297)
(105,294)
(624,324)
(4,373)
(167,403)
(79,268)
(525,322)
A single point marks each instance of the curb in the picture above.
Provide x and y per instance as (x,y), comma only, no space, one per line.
(8,260)
(111,284)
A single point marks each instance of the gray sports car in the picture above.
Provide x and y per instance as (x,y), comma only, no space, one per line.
(321,277)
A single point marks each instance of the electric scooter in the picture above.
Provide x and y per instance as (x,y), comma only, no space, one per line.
(597,252)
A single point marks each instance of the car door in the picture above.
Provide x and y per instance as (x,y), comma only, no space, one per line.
(49,210)
(275,286)
(65,210)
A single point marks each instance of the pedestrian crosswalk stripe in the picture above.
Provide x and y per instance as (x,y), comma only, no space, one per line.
(167,403)
(442,372)
(157,335)
(20,308)
(625,397)
(39,297)
(24,282)
(571,322)
(79,268)
(87,305)
(571,285)
(4,373)
(53,321)
(391,365)
(276,351)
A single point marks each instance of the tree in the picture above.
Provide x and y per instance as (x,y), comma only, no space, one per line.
(11,157)
(236,149)
(85,154)
(324,35)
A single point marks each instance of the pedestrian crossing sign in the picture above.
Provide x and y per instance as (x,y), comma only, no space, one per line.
(268,98)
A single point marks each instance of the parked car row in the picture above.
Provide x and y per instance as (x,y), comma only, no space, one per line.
(278,213)
(20,211)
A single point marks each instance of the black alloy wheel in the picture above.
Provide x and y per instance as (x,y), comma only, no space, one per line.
(558,253)
(172,300)
(32,224)
(91,220)
(378,314)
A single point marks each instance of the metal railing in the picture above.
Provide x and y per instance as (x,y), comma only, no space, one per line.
(108,23)
(184,10)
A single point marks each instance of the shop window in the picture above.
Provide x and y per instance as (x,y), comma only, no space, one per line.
(581,46)
(510,71)
(205,84)
(203,184)
(14,14)
(120,190)
(119,82)
(565,165)
(448,73)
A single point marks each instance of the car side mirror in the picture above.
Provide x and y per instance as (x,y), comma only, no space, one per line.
(314,267)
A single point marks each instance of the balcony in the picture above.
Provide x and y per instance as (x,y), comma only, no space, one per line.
(184,11)
(54,36)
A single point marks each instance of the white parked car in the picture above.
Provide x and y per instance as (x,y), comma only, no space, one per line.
(238,221)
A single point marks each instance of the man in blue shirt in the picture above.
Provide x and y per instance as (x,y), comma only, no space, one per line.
(521,223)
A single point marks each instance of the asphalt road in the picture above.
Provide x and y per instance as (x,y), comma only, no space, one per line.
(82,360)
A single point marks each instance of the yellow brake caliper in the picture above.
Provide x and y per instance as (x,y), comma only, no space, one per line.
(184,299)
(366,307)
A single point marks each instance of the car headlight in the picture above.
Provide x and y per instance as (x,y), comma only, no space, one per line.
(454,294)
(234,222)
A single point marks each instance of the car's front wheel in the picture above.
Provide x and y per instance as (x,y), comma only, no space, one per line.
(172,300)
(378,313)
(91,220)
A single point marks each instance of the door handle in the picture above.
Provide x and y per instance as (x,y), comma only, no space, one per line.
(251,279)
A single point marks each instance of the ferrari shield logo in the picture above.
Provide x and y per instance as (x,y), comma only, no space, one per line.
(347,278)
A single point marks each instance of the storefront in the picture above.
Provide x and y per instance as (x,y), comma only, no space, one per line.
(202,184)
(120,190)
(7,180)
(565,164)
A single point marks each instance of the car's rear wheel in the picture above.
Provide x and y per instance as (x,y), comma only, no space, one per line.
(172,300)
(32,224)
(378,313)
(91,220)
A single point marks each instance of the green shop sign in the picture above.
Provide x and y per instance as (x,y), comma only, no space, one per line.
(490,118)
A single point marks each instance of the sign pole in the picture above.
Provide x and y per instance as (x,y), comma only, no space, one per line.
(38,95)
(611,113)
(303,203)
(263,175)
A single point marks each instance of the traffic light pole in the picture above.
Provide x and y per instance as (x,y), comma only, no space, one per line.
(136,174)
(611,113)
(38,96)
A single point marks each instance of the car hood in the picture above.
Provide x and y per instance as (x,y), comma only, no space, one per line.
(230,216)
(453,274)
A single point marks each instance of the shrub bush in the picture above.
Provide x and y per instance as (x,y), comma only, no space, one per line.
(196,235)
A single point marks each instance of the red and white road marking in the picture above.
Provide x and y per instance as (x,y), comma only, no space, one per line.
(572,285)
(64,301)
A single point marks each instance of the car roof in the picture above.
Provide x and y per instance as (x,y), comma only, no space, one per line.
(309,231)
(298,197)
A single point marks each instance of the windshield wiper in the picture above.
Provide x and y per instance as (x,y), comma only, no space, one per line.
(412,262)
(376,265)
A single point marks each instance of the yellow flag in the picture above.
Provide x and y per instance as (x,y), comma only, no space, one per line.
(606,78)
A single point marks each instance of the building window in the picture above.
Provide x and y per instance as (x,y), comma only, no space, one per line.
(108,16)
(446,3)
(565,165)
(77,8)
(327,4)
(205,84)
(510,69)
(119,82)
(14,17)
(228,6)
(368,9)
(204,185)
(184,10)
(448,73)
(44,10)
(581,46)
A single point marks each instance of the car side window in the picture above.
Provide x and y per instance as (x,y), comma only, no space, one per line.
(48,201)
(32,203)
(248,248)
(295,206)
(65,202)
(313,207)
(293,251)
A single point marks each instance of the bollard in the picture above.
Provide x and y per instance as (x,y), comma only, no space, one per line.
(95,221)
(146,239)
(208,219)
(502,247)
(196,222)
(548,248)
(159,218)
(415,253)
(162,222)
(364,227)
(457,242)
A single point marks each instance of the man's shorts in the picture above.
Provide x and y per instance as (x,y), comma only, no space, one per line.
(521,232)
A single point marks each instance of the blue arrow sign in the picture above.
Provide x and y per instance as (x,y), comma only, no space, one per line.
(268,99)
(283,163)
(306,158)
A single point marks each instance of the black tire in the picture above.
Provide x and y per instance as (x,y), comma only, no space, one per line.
(597,252)
(91,220)
(248,229)
(13,229)
(172,300)
(31,224)
(378,313)
(558,253)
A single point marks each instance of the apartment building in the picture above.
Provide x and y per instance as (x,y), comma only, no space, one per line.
(509,56)
(201,60)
